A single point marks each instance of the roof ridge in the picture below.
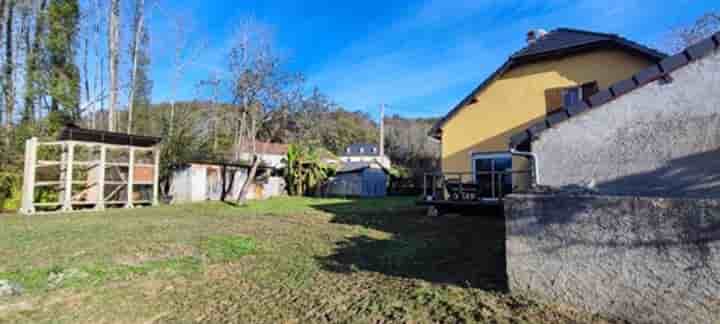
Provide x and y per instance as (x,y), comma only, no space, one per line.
(583,31)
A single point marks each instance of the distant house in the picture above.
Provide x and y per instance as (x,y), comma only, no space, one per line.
(271,154)
(365,153)
(359,179)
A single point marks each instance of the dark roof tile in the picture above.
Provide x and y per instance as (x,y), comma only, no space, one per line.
(672,63)
(701,49)
(519,138)
(600,98)
(623,87)
(538,127)
(563,39)
(577,108)
(647,75)
(557,117)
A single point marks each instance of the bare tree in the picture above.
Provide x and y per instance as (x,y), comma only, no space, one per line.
(135,54)
(8,84)
(185,52)
(257,85)
(214,83)
(702,28)
(114,49)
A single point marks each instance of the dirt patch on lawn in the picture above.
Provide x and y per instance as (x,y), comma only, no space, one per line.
(159,253)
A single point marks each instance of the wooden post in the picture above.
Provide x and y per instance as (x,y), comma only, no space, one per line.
(101,179)
(156,178)
(131,178)
(28,194)
(67,202)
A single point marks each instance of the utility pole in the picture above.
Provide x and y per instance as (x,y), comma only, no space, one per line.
(382,130)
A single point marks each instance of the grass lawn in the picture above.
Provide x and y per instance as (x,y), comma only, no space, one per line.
(287,260)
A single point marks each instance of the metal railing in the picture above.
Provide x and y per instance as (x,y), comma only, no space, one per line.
(477,186)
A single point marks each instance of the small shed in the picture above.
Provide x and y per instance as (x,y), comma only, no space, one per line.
(200,180)
(359,179)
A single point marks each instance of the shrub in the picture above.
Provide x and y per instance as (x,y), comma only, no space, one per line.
(9,191)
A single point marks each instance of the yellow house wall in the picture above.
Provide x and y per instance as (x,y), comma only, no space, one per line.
(517,99)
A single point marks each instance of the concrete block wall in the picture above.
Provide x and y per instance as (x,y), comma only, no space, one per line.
(647,260)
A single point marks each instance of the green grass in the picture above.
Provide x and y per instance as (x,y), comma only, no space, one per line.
(228,248)
(281,260)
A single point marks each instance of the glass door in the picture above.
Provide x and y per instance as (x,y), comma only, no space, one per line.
(489,174)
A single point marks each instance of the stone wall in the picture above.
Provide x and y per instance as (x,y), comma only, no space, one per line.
(660,140)
(647,260)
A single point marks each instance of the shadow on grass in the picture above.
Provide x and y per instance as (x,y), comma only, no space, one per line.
(460,250)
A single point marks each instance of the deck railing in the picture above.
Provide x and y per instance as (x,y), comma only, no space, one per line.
(477,186)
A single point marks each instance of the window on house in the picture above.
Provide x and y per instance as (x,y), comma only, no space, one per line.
(557,98)
(571,96)
(489,177)
(362,150)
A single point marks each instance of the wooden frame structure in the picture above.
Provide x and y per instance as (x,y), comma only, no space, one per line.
(98,166)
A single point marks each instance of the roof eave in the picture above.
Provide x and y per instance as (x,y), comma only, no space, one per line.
(513,61)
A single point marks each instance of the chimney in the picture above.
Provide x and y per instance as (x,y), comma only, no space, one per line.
(534,35)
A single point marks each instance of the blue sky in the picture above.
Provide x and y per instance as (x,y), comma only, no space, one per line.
(418,57)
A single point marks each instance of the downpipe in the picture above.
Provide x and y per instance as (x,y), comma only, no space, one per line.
(535,163)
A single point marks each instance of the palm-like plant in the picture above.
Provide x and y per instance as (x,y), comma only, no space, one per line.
(304,169)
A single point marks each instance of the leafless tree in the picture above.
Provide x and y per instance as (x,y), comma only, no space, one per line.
(185,52)
(114,59)
(702,28)
(258,88)
(136,46)
(214,83)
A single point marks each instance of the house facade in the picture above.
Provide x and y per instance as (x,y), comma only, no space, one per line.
(271,154)
(365,153)
(555,69)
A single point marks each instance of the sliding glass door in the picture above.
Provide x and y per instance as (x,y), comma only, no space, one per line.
(491,174)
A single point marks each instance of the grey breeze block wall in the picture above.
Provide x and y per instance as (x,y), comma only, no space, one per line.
(662,139)
(647,260)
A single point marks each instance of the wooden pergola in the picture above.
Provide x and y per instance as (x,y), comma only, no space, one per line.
(90,170)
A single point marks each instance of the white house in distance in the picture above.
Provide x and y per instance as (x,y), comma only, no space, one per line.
(365,153)
(271,154)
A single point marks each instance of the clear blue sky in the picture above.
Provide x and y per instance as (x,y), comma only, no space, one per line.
(418,57)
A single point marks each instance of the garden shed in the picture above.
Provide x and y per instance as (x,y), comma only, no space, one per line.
(202,180)
(90,169)
(359,179)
